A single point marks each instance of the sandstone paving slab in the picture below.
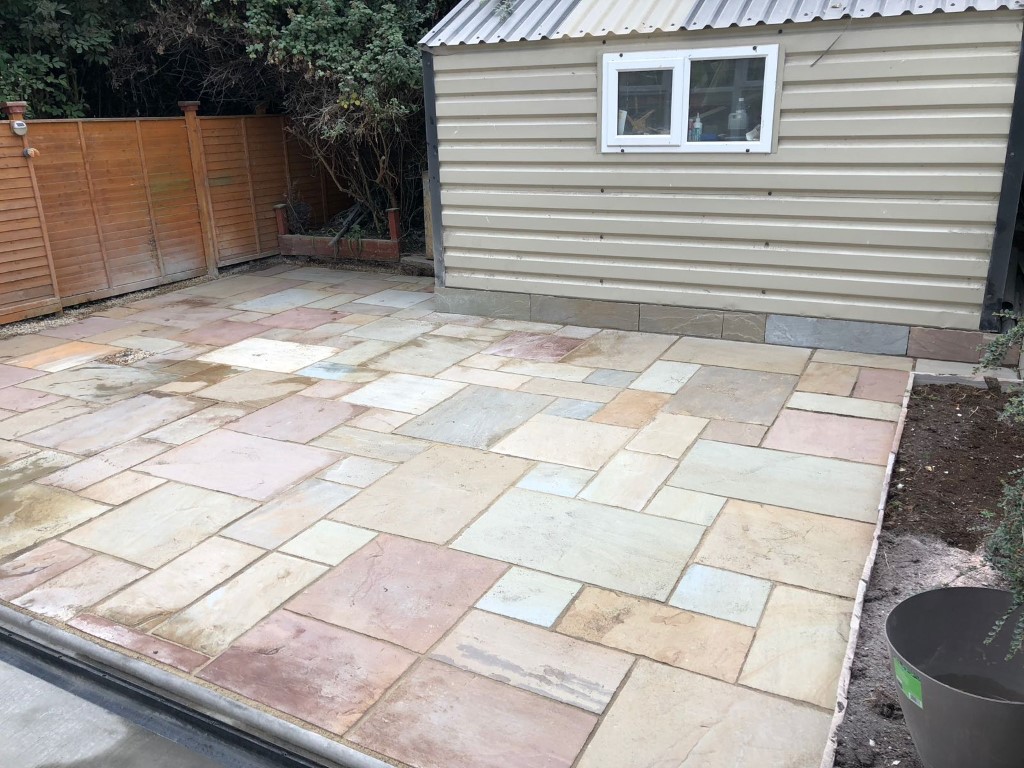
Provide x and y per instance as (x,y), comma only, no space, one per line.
(275,662)
(442,717)
(96,431)
(289,514)
(875,384)
(467,331)
(523,326)
(158,526)
(145,645)
(153,344)
(290,298)
(845,406)
(192,315)
(863,360)
(631,408)
(371,443)
(433,495)
(64,356)
(670,717)
(811,483)
(800,646)
(33,513)
(402,591)
(426,355)
(197,424)
(476,417)
(379,420)
(621,350)
(570,389)
(614,548)
(665,376)
(668,434)
(556,440)
(733,394)
(20,400)
(360,352)
(328,542)
(531,596)
(559,371)
(23,424)
(629,480)
(301,318)
(391,330)
(573,409)
(688,506)
(100,383)
(269,355)
(683,639)
(611,378)
(36,466)
(102,466)
(403,392)
(828,379)
(533,346)
(734,432)
(296,419)
(79,587)
(533,659)
(11,375)
(243,465)
(339,372)
(255,388)
(739,354)
(358,471)
(121,487)
(722,594)
(827,434)
(482,377)
(17,346)
(154,598)
(11,451)
(785,545)
(212,624)
(220,333)
(32,568)
(396,299)
(88,326)
(556,479)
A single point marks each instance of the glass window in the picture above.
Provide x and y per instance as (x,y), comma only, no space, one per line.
(645,103)
(698,100)
(726,99)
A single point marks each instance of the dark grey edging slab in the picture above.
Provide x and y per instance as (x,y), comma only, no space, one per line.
(192,695)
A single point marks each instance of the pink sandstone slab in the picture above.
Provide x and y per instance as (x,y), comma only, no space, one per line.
(220,333)
(442,717)
(877,384)
(32,568)
(301,318)
(243,465)
(826,434)
(297,419)
(325,675)
(151,647)
(533,346)
(402,591)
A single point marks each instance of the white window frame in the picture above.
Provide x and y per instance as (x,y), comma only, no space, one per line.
(679,62)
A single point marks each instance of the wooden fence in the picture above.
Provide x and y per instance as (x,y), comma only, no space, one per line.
(112,206)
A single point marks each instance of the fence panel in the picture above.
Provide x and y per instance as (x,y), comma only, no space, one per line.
(26,279)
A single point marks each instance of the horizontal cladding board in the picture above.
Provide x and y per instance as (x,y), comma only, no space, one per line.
(925,181)
(683,295)
(806,257)
(951,290)
(860,154)
(836,207)
(803,231)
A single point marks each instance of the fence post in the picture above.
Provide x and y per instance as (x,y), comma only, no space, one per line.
(15,110)
(198,158)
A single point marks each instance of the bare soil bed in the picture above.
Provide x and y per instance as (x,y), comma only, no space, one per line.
(943,501)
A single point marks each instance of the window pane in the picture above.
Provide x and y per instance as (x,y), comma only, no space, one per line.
(725,99)
(645,103)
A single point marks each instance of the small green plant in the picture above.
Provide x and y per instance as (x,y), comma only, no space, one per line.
(1005,546)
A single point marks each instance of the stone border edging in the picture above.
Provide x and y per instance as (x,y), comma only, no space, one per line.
(196,697)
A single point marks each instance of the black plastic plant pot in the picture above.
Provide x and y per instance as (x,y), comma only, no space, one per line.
(962,699)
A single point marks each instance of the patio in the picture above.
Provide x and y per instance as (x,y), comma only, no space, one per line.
(451,541)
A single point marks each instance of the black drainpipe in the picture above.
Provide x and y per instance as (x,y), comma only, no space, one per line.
(1001,265)
(433,165)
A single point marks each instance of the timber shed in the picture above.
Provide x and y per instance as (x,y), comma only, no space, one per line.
(833,173)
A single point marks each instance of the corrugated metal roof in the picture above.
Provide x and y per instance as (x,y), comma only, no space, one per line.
(477,21)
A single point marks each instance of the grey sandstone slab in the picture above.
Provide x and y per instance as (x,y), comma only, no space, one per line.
(99,383)
(500,304)
(743,326)
(476,417)
(843,335)
(607,546)
(810,483)
(733,394)
(589,313)
(681,321)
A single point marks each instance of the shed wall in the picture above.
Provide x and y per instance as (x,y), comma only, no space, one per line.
(879,204)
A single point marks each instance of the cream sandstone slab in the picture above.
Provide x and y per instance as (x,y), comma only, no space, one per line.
(565,441)
(739,354)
